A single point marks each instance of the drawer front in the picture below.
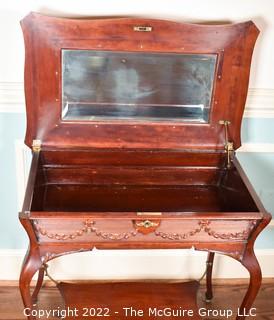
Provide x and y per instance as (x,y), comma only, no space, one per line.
(142,230)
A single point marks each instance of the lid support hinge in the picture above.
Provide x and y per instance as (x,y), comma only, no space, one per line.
(36,145)
(229,147)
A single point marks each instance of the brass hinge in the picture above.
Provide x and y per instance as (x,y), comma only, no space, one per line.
(36,145)
(229,147)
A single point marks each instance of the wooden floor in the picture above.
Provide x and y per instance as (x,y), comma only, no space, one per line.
(227,295)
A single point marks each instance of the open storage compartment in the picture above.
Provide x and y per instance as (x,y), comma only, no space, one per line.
(78,182)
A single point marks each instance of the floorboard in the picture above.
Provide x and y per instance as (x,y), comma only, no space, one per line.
(227,295)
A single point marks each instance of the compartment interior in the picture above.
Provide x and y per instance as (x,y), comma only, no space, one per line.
(138,181)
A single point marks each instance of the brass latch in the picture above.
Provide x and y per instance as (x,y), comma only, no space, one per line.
(229,147)
(147,224)
(36,145)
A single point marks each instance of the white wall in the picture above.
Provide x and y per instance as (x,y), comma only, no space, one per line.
(260,11)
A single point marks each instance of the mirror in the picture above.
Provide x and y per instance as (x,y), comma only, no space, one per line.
(107,85)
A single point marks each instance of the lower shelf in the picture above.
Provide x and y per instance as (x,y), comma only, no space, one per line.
(128,300)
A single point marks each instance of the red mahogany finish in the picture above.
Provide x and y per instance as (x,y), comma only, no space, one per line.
(132,294)
(118,182)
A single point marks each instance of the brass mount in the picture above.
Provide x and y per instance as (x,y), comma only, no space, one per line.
(45,267)
(36,145)
(147,224)
(229,147)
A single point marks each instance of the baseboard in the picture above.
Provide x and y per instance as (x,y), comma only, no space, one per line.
(136,264)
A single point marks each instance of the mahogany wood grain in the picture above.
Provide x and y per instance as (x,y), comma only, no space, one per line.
(133,157)
(218,216)
(131,175)
(130,198)
(92,230)
(140,296)
(32,182)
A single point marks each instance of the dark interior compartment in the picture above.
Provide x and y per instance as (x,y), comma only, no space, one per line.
(89,181)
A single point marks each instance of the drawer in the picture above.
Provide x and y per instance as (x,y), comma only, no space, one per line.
(142,230)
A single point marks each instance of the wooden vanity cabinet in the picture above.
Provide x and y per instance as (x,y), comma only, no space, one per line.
(133,124)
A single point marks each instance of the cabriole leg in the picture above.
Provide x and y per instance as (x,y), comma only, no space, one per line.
(38,284)
(251,264)
(30,266)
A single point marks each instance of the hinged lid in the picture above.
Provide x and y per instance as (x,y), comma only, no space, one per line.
(135,83)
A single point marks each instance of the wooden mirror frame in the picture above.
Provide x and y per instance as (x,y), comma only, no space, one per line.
(46,36)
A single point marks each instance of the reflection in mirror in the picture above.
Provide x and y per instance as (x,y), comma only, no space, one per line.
(102,85)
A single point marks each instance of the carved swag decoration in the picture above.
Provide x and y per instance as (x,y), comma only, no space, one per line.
(203,225)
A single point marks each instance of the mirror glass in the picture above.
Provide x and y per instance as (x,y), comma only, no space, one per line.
(107,85)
